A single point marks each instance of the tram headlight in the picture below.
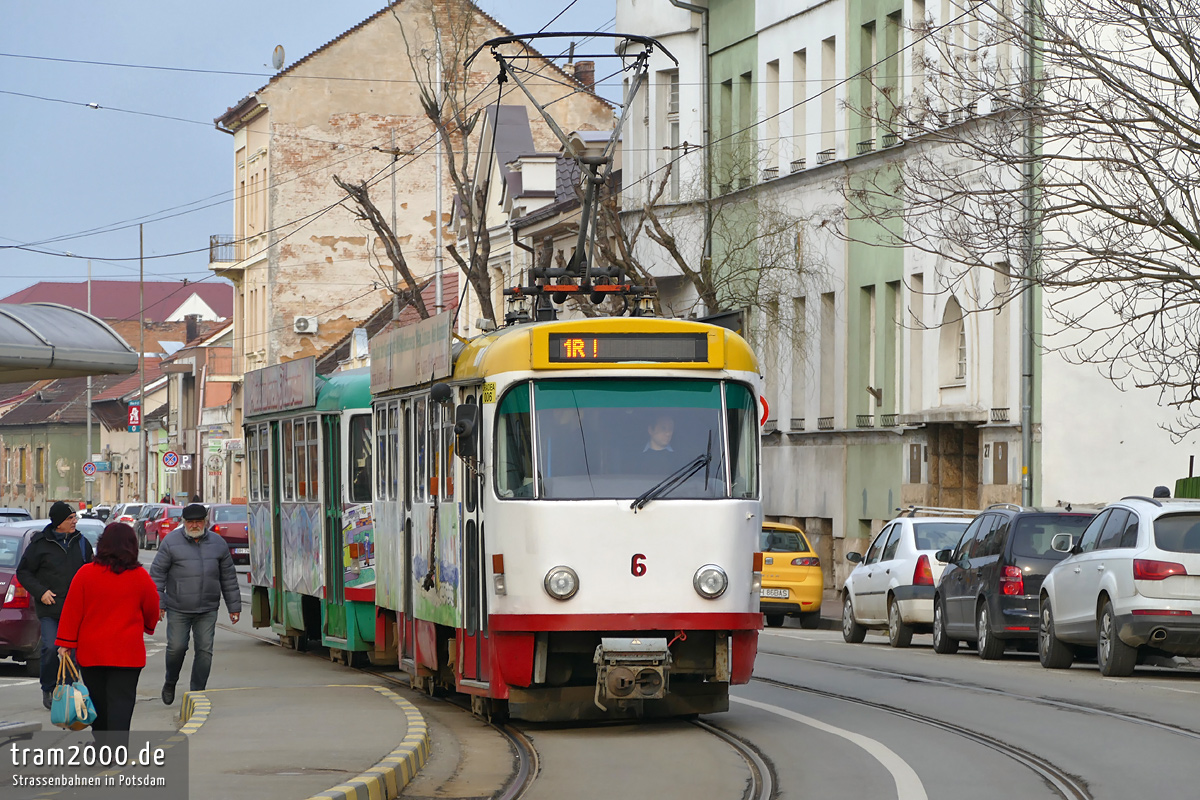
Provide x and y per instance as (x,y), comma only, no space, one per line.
(561,583)
(710,581)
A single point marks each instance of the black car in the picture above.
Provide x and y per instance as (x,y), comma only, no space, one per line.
(988,593)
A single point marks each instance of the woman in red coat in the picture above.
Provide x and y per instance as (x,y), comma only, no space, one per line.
(111,603)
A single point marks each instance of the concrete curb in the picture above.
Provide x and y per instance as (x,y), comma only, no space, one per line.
(195,711)
(387,778)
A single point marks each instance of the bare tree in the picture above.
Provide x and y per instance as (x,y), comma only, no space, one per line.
(1094,155)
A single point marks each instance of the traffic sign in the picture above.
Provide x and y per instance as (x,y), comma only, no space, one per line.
(134,421)
(170,470)
(170,459)
(185,461)
(89,468)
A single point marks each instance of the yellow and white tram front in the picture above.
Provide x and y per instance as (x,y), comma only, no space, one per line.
(621,502)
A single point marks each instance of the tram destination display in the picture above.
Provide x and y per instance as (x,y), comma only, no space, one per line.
(614,348)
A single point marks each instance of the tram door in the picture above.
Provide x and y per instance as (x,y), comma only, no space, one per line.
(277,615)
(331,500)
(408,640)
(469,484)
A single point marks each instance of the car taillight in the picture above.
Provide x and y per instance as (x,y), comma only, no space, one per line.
(1012,581)
(16,596)
(216,528)
(923,574)
(1145,569)
(807,561)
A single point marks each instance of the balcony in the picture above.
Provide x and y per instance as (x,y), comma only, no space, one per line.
(999,415)
(824,423)
(799,164)
(826,156)
(888,420)
(224,248)
(866,146)
(744,182)
(864,420)
(770,173)
(891,139)
(797,423)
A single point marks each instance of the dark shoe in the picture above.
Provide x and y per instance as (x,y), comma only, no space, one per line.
(168,693)
(46,699)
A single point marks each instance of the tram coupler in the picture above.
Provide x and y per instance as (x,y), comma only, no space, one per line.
(629,669)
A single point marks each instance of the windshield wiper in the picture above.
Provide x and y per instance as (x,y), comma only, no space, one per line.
(675,479)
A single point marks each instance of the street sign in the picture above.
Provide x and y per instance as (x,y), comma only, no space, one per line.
(170,470)
(89,478)
(185,461)
(134,422)
(170,459)
(89,469)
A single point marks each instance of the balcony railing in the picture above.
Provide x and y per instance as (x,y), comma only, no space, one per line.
(826,156)
(770,173)
(864,420)
(744,182)
(866,146)
(999,415)
(799,164)
(887,420)
(797,423)
(824,423)
(224,248)
(891,139)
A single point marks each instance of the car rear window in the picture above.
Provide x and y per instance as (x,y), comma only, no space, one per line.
(782,542)
(1178,533)
(1035,532)
(230,514)
(14,516)
(938,535)
(132,511)
(10,548)
(174,513)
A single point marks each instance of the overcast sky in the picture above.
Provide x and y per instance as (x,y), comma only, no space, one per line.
(66,169)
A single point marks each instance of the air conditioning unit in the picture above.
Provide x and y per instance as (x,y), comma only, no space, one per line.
(304,324)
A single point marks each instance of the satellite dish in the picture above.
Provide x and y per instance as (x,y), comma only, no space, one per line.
(277,57)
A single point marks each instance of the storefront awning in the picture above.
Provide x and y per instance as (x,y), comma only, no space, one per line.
(40,341)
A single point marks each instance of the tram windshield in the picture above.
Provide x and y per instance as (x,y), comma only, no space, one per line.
(618,438)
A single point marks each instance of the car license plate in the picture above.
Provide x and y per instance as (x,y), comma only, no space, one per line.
(779,593)
(241,551)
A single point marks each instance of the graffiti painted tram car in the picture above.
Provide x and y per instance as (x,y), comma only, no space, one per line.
(308,445)
(567,514)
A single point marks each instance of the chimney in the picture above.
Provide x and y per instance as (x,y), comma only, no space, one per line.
(192,321)
(585,73)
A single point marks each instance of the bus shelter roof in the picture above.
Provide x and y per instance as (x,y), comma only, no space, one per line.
(40,341)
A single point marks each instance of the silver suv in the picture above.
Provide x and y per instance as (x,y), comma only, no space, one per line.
(1130,587)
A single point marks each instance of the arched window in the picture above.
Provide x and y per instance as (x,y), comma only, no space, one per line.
(952,349)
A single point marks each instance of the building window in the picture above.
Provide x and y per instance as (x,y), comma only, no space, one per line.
(952,355)
(40,466)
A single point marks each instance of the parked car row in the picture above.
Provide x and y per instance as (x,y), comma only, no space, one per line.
(1122,583)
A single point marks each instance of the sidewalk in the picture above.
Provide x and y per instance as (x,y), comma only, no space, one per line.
(273,724)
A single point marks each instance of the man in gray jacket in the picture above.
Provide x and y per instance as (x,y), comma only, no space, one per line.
(193,570)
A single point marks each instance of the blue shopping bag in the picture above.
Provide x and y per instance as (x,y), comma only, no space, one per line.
(71,703)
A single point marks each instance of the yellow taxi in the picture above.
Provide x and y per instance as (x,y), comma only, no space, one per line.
(792,583)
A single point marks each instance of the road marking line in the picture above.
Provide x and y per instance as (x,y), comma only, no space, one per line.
(19,683)
(908,784)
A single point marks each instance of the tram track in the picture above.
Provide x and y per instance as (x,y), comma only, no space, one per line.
(1045,701)
(760,786)
(1068,786)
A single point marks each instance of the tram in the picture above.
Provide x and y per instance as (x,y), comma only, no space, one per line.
(308,444)
(566,514)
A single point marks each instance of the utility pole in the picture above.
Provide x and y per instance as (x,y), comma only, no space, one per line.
(142,485)
(395,269)
(87,485)
(1031,253)
(438,301)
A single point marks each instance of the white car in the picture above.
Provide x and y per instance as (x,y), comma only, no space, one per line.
(1131,585)
(892,585)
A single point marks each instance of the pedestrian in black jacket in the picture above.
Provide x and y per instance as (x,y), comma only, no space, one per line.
(47,567)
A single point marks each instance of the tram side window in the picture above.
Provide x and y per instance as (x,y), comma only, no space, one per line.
(514,445)
(393,452)
(264,463)
(300,454)
(314,463)
(448,454)
(289,463)
(418,479)
(742,426)
(252,449)
(360,458)
(408,461)
(381,464)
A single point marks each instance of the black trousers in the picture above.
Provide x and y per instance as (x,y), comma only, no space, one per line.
(113,691)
